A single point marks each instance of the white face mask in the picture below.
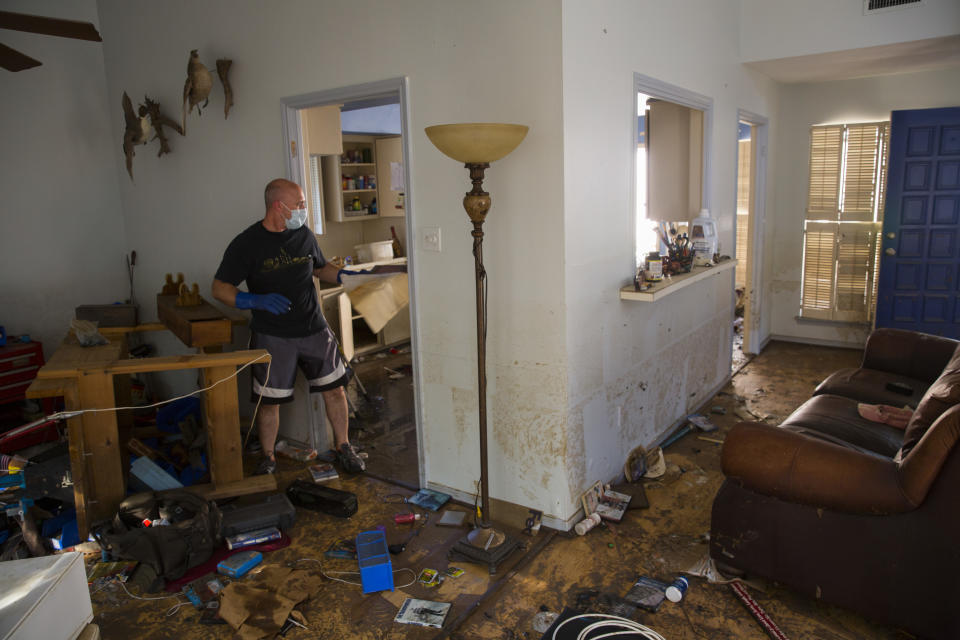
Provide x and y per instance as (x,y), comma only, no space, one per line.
(297,217)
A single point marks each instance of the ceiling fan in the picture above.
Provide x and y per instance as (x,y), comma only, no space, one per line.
(13,60)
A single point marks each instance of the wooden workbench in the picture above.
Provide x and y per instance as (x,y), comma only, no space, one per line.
(85,377)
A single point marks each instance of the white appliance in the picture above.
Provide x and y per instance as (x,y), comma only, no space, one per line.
(44,597)
(305,419)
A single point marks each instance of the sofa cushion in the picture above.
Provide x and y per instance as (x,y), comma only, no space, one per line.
(837,420)
(942,394)
(870,386)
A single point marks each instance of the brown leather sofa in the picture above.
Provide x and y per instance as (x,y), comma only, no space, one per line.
(853,512)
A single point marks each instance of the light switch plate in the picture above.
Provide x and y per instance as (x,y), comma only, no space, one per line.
(431,238)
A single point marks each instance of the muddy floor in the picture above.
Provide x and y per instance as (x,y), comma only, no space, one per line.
(554,570)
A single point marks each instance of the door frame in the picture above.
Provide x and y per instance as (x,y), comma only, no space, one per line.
(754,298)
(294,163)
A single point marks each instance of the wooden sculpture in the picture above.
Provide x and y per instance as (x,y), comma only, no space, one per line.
(136,131)
(171,288)
(158,120)
(197,87)
(189,297)
(223,68)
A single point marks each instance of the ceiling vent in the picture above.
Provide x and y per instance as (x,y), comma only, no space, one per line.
(876,6)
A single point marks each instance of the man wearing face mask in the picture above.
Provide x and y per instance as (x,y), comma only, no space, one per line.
(278,257)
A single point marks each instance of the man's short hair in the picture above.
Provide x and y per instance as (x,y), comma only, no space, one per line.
(275,190)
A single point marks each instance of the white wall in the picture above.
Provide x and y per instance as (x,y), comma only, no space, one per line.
(62,235)
(804,105)
(637,367)
(773,29)
(466,61)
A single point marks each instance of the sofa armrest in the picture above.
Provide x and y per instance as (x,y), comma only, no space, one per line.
(797,468)
(908,353)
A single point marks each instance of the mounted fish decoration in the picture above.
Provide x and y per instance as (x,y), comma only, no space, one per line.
(136,131)
(158,121)
(197,87)
(223,68)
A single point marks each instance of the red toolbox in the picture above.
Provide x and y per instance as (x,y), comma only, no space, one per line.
(19,363)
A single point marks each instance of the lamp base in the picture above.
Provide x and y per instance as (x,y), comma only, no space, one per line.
(484,545)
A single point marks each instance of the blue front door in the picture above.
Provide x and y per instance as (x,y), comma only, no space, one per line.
(919,286)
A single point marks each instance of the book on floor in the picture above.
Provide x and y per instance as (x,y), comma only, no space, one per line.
(425,613)
(428,499)
(323,472)
(608,504)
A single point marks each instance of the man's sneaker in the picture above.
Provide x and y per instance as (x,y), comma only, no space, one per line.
(349,460)
(266,466)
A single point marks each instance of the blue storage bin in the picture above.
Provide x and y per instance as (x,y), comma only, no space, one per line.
(169,416)
(376,570)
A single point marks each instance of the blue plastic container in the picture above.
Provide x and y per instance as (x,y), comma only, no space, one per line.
(376,570)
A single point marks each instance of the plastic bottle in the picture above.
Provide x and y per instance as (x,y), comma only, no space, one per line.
(587,523)
(654,267)
(677,589)
(703,233)
(405,518)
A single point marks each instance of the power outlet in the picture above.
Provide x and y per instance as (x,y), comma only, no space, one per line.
(431,238)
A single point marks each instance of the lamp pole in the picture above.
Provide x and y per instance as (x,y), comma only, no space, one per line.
(476,202)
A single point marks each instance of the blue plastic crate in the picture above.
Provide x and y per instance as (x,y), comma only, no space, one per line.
(376,570)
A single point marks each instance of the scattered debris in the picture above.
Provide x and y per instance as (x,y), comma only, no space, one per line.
(425,613)
(701,422)
(718,410)
(656,466)
(636,465)
(543,621)
(295,450)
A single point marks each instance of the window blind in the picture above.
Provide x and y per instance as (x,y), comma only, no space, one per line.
(744,165)
(826,151)
(843,219)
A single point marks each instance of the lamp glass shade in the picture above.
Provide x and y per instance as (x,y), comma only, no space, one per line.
(476,142)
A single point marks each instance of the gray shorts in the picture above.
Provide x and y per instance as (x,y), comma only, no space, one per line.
(318,358)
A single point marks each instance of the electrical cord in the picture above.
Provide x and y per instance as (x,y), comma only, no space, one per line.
(625,626)
(171,611)
(355,573)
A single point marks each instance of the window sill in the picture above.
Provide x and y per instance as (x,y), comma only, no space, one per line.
(675,283)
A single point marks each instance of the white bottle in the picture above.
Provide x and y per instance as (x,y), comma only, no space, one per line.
(703,238)
(587,523)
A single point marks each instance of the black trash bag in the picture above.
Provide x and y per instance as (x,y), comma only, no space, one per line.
(170,549)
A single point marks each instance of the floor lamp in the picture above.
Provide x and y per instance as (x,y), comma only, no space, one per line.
(477,145)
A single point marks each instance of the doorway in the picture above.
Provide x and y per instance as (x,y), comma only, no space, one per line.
(348,148)
(751,165)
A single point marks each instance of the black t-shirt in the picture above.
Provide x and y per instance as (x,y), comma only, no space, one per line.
(277,262)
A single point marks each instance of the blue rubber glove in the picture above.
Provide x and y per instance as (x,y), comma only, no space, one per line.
(272,302)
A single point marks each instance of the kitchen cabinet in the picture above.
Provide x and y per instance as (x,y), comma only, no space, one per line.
(362,174)
(389,152)
(349,178)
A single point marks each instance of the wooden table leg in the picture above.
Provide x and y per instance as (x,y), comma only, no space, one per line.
(78,462)
(106,480)
(224,446)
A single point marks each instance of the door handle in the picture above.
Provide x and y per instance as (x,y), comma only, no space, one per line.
(891,235)
(890,252)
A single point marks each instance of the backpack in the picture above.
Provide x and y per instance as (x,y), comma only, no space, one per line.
(170,550)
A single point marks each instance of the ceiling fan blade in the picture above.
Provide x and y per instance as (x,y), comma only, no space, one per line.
(13,60)
(49,26)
